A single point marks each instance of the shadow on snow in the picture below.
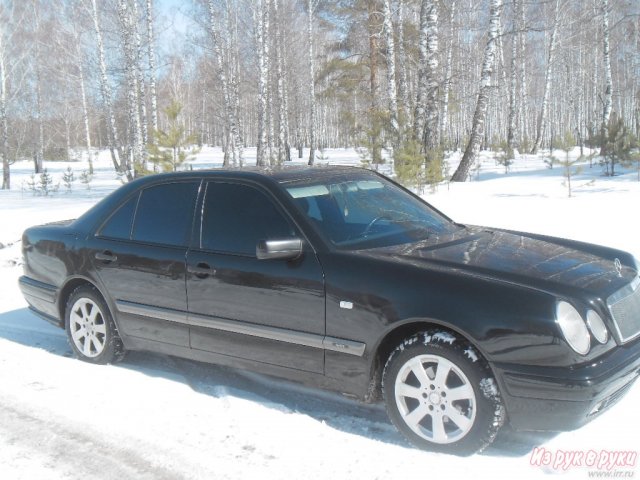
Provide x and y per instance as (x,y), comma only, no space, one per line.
(23,327)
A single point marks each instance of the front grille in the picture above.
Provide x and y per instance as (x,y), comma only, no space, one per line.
(625,310)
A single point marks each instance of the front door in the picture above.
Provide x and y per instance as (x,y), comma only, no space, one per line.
(271,311)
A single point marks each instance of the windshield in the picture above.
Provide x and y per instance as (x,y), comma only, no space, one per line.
(367,212)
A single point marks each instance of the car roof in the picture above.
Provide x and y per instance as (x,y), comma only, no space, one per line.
(285,174)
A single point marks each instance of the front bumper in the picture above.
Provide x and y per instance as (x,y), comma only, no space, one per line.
(559,399)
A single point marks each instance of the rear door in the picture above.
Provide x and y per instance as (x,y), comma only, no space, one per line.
(272,311)
(139,255)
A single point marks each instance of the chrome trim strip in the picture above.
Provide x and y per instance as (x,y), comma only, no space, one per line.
(343,346)
(262,331)
(167,314)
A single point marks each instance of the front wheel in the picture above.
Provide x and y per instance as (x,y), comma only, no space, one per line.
(90,328)
(441,395)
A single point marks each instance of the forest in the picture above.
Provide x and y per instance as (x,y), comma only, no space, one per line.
(402,81)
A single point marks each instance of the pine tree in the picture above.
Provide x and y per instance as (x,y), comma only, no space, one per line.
(566,144)
(617,145)
(170,149)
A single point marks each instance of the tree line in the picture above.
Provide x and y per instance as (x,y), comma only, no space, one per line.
(413,78)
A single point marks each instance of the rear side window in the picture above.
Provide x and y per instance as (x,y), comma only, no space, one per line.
(165,214)
(237,216)
(119,224)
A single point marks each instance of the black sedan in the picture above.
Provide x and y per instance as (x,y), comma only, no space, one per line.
(340,278)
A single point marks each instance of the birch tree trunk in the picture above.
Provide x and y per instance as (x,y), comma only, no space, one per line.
(426,112)
(512,127)
(152,67)
(231,127)
(477,129)
(83,98)
(135,144)
(283,141)
(403,83)
(524,110)
(235,82)
(548,78)
(608,87)
(448,72)
(373,27)
(39,153)
(312,84)
(262,44)
(4,124)
(105,89)
(392,94)
(141,90)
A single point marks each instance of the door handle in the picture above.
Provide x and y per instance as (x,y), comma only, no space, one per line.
(201,270)
(106,256)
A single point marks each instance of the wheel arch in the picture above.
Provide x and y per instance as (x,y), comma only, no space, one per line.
(69,287)
(395,335)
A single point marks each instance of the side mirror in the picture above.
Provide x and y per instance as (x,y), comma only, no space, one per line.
(289,249)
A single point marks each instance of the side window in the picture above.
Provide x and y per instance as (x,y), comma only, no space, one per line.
(165,214)
(236,217)
(119,224)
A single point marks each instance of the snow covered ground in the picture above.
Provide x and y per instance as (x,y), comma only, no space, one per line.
(158,417)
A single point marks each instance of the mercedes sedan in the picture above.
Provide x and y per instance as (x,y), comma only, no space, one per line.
(343,279)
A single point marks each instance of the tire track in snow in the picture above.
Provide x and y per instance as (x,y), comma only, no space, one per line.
(72,453)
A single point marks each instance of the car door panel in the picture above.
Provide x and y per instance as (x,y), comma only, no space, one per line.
(144,270)
(270,311)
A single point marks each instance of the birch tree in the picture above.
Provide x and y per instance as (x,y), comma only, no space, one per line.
(4,124)
(403,82)
(119,163)
(391,66)
(261,17)
(513,85)
(135,146)
(608,82)
(426,111)
(152,65)
(548,78)
(312,83)
(448,71)
(283,137)
(477,129)
(231,142)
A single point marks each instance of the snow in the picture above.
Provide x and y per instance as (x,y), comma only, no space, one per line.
(154,416)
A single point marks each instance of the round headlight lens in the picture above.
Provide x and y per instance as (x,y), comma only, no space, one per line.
(597,326)
(573,327)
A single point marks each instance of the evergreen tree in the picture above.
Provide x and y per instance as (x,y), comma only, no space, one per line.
(617,145)
(171,147)
(566,144)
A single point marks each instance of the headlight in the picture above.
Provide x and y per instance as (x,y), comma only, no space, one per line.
(597,326)
(573,327)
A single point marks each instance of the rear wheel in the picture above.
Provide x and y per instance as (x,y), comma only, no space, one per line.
(441,394)
(90,328)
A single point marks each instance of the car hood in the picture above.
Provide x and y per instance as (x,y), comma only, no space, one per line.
(542,263)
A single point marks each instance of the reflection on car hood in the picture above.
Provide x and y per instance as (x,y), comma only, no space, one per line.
(516,258)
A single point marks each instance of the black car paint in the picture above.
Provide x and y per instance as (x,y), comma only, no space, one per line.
(472,283)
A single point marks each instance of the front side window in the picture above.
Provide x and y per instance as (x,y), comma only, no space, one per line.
(366,211)
(165,214)
(236,217)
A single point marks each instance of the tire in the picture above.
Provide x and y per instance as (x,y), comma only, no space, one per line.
(91,331)
(441,394)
